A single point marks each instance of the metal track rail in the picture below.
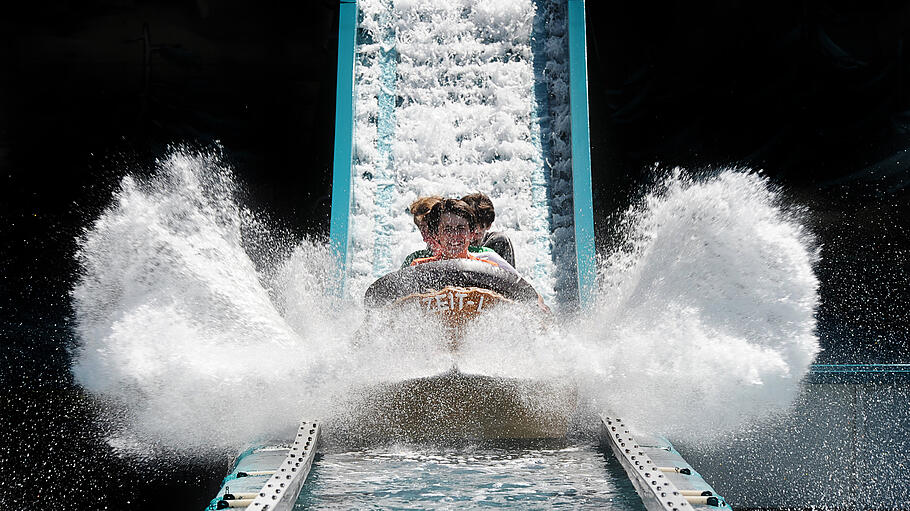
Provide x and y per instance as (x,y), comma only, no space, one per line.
(660,475)
(269,478)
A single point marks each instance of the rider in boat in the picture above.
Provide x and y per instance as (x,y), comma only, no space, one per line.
(483,237)
(419,209)
(452,222)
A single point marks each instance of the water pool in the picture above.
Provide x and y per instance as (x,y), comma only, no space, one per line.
(405,477)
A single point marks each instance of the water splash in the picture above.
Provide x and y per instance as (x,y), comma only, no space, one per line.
(178,330)
(704,319)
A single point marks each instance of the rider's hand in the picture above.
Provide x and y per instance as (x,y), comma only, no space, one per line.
(543,306)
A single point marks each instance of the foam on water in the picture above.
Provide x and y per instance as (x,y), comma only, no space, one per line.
(190,345)
(704,317)
(401,478)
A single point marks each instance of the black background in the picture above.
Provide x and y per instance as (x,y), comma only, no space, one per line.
(814,94)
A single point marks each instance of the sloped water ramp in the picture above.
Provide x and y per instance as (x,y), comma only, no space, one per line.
(455,97)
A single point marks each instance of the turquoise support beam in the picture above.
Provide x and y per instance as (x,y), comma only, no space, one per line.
(581,155)
(384,169)
(339,235)
(859,373)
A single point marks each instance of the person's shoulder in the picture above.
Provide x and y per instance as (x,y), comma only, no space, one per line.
(495,236)
(417,254)
(479,250)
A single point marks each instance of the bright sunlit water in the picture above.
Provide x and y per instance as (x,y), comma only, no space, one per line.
(402,478)
(201,330)
(188,310)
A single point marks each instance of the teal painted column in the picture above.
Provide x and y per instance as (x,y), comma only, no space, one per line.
(581,155)
(339,235)
(384,169)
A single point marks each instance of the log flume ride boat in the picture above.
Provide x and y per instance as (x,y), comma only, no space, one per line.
(455,406)
(444,409)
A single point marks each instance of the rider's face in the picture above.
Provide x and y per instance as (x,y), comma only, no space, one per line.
(428,237)
(454,235)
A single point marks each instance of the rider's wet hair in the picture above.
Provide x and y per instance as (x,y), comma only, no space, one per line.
(456,207)
(420,207)
(483,207)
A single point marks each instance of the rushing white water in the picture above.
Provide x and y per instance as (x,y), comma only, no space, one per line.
(186,340)
(705,317)
(194,344)
(704,320)
(455,97)
(401,478)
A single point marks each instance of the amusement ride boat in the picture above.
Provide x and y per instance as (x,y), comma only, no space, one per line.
(456,406)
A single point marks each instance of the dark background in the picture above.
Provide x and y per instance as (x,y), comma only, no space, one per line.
(812,93)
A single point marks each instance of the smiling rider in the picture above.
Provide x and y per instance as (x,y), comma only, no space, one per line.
(420,208)
(454,222)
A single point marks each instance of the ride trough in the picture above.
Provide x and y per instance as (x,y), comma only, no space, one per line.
(454,407)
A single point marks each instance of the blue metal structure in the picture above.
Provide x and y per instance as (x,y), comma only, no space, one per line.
(384,170)
(583,201)
(339,234)
(859,373)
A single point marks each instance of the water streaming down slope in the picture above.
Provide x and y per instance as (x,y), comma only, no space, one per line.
(454,97)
